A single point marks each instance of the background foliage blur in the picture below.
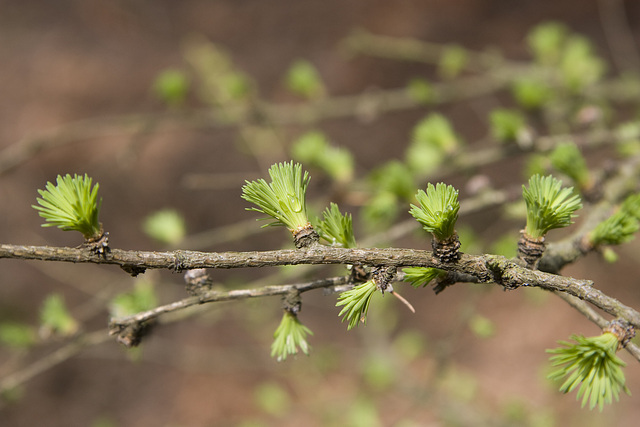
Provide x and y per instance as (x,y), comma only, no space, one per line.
(151,100)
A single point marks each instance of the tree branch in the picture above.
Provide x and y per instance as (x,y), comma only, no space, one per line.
(486,268)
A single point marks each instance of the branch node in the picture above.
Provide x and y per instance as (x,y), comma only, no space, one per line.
(530,249)
(180,261)
(130,335)
(621,329)
(383,276)
(447,250)
(133,270)
(98,245)
(291,301)
(305,237)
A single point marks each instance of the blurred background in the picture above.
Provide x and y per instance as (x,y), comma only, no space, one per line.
(81,93)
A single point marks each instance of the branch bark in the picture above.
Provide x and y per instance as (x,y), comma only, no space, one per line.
(485,268)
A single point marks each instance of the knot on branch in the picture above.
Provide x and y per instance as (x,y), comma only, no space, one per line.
(359,274)
(130,335)
(98,245)
(447,250)
(133,270)
(383,276)
(530,250)
(504,272)
(291,301)
(621,329)
(180,261)
(305,237)
(197,281)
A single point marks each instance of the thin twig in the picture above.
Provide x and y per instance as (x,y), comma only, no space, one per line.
(486,268)
(596,318)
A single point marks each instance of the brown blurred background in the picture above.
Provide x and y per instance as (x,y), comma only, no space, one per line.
(74,61)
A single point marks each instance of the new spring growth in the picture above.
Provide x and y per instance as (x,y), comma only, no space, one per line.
(620,227)
(337,229)
(590,363)
(290,336)
(438,213)
(71,204)
(356,300)
(422,276)
(566,158)
(549,205)
(283,199)
(356,303)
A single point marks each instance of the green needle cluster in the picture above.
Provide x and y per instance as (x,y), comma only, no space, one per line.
(592,364)
(568,159)
(71,204)
(356,303)
(283,198)
(549,205)
(621,226)
(618,228)
(438,210)
(421,276)
(290,336)
(336,228)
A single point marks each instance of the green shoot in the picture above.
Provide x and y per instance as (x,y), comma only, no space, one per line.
(618,228)
(566,158)
(507,125)
(290,336)
(18,336)
(303,79)
(166,226)
(432,139)
(55,317)
(421,90)
(141,298)
(336,228)
(453,60)
(284,198)
(421,276)
(631,206)
(549,205)
(592,364)
(172,87)
(313,149)
(71,204)
(356,303)
(438,211)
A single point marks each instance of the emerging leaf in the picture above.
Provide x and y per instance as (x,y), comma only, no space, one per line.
(618,228)
(566,158)
(166,226)
(592,364)
(546,41)
(337,228)
(171,86)
(356,303)
(507,125)
(304,80)
(452,62)
(283,198)
(438,211)
(421,276)
(549,205)
(142,298)
(71,204)
(313,149)
(290,336)
(17,335)
(55,318)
